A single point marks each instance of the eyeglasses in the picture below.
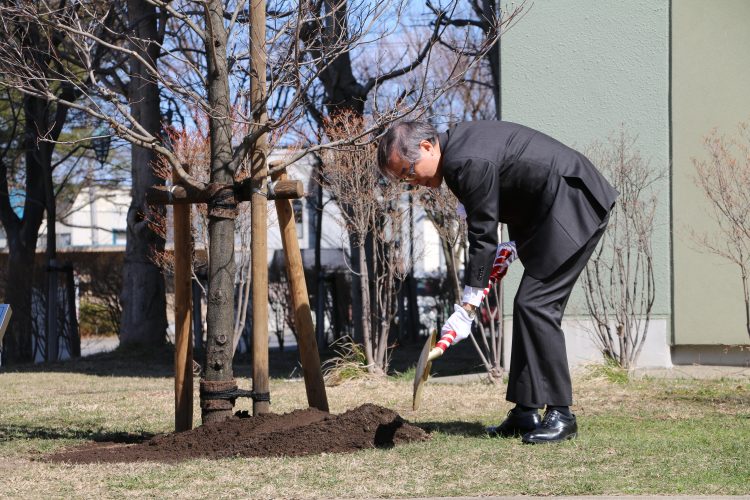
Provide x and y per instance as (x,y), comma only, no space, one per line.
(411,174)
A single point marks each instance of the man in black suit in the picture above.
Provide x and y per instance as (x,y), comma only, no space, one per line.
(556,206)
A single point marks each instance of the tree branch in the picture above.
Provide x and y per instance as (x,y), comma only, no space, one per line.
(372,82)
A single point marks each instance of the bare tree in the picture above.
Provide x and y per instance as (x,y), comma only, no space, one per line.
(22,231)
(27,166)
(619,278)
(46,116)
(725,180)
(279,95)
(479,95)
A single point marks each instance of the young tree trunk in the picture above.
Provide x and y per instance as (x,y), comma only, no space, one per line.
(381,324)
(221,266)
(52,343)
(318,271)
(144,314)
(385,308)
(366,319)
(358,259)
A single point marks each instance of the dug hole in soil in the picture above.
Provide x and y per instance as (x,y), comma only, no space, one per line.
(301,432)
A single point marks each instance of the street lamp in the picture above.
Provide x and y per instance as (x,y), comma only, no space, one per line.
(101,143)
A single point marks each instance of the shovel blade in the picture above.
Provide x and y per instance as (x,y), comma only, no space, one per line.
(422,372)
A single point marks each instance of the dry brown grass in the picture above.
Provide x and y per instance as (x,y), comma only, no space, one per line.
(647,437)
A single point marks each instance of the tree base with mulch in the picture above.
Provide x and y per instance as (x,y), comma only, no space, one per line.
(301,432)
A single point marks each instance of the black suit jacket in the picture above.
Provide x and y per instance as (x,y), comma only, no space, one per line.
(551,197)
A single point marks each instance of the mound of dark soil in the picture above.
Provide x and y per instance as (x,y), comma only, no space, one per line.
(301,432)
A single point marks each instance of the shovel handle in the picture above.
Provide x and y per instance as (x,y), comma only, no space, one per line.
(446,340)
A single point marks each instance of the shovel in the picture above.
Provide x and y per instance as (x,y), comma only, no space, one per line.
(422,372)
(433,349)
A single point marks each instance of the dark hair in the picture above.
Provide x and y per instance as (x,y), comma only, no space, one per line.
(404,138)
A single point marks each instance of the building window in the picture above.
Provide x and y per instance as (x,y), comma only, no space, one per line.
(63,239)
(119,236)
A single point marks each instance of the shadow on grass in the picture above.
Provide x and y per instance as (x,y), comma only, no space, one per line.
(454,428)
(155,361)
(141,361)
(23,432)
(158,361)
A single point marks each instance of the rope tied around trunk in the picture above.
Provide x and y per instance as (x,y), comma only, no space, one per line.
(228,391)
(222,202)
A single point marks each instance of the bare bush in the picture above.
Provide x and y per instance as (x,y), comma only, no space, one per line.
(372,212)
(725,180)
(619,278)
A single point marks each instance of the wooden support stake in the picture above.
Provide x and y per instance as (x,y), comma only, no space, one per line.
(259,265)
(259,208)
(183,352)
(308,346)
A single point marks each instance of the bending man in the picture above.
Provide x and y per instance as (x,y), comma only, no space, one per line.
(556,206)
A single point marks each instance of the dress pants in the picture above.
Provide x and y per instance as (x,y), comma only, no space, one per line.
(539,373)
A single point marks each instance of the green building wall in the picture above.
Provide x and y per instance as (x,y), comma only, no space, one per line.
(668,71)
(579,69)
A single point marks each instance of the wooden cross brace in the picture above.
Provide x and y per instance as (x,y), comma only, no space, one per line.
(180,194)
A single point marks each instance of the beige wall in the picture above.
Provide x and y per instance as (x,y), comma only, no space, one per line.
(710,88)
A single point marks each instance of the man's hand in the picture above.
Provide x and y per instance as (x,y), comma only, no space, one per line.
(459,323)
(457,328)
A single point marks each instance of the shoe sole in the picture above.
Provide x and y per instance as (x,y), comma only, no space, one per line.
(548,441)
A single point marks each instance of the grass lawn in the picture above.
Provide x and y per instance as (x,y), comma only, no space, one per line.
(636,437)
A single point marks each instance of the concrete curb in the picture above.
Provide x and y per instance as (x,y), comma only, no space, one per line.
(700,372)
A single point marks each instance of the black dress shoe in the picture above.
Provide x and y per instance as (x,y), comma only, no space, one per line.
(516,424)
(555,427)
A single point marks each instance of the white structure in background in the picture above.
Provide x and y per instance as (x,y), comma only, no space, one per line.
(98,217)
(428,256)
